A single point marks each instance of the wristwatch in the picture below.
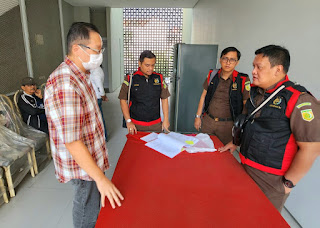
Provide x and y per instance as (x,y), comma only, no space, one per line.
(128,120)
(198,116)
(287,183)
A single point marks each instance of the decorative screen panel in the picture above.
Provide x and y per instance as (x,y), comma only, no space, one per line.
(154,29)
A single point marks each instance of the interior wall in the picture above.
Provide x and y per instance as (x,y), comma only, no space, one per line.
(13,65)
(82,13)
(45,37)
(68,19)
(98,18)
(115,47)
(7,5)
(249,25)
(187,25)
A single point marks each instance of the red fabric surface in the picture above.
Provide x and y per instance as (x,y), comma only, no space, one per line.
(190,190)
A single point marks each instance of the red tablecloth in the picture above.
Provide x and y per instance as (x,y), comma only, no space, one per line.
(190,190)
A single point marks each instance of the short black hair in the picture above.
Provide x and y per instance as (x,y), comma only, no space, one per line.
(146,54)
(228,49)
(277,56)
(79,31)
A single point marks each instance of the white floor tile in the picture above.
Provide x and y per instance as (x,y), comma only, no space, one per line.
(35,208)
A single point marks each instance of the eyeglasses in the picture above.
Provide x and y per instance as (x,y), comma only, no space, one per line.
(93,49)
(226,59)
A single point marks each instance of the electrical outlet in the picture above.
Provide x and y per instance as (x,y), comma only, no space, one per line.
(39,39)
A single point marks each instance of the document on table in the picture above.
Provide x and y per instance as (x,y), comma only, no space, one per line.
(173,143)
(205,144)
(149,137)
(187,140)
(170,144)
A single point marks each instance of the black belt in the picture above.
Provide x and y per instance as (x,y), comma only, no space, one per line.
(219,119)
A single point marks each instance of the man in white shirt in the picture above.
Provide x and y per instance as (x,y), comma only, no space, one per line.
(97,80)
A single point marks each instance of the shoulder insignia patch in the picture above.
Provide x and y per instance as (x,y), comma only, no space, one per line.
(247,85)
(307,115)
(304,104)
(164,85)
(126,83)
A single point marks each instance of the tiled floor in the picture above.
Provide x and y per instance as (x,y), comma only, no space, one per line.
(44,202)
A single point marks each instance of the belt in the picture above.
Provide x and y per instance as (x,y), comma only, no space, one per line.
(219,119)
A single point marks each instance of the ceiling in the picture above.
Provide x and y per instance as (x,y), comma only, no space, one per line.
(135,3)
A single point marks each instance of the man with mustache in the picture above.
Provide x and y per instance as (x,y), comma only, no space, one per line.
(31,105)
(281,141)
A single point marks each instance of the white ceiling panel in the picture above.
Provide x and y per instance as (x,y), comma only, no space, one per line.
(135,3)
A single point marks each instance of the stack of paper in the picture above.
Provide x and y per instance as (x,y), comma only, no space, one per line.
(173,143)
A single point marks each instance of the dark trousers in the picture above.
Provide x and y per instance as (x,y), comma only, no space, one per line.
(155,127)
(221,129)
(86,203)
(271,185)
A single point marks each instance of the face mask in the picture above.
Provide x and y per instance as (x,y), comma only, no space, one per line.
(94,62)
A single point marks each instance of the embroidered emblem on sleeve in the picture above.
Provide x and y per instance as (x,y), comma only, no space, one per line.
(247,85)
(126,83)
(164,84)
(307,115)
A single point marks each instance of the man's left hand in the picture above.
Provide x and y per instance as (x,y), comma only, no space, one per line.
(228,147)
(165,126)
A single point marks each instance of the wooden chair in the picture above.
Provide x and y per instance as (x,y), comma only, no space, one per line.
(41,139)
(3,190)
(16,96)
(15,151)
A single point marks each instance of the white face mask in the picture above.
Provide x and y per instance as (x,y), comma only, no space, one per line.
(94,62)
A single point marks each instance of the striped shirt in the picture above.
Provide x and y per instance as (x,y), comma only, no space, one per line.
(73,114)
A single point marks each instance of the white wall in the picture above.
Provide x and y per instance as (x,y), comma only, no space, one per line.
(187,25)
(115,47)
(251,24)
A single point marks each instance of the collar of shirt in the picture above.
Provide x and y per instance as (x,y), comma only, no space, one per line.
(28,95)
(75,69)
(273,87)
(232,76)
(139,72)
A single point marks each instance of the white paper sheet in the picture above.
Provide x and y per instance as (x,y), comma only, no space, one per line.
(173,143)
(167,145)
(205,144)
(187,140)
(149,137)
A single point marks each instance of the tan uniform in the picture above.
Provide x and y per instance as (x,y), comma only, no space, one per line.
(304,130)
(219,106)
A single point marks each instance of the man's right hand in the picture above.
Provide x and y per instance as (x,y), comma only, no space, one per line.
(197,123)
(104,98)
(131,128)
(109,190)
